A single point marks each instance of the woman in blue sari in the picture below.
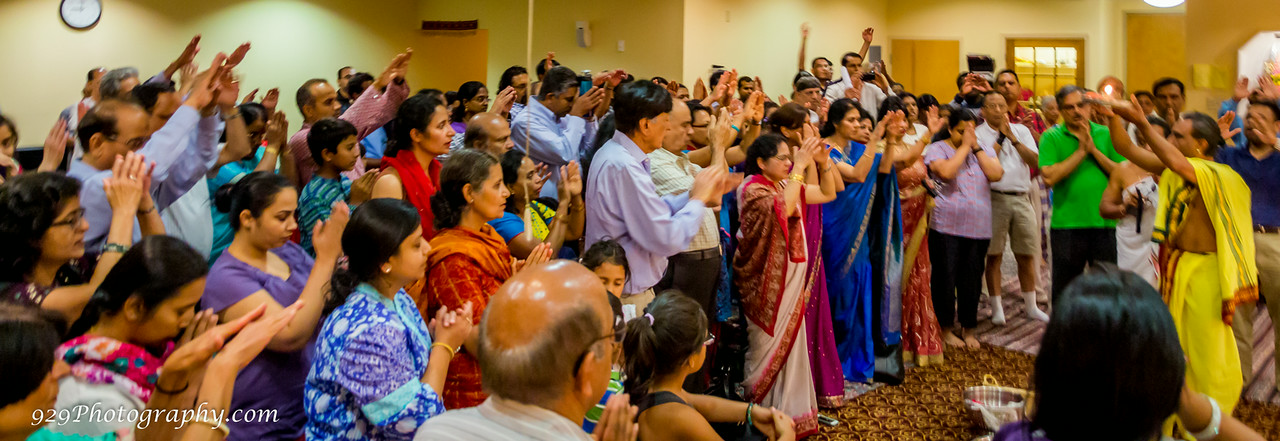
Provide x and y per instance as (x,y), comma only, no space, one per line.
(846,241)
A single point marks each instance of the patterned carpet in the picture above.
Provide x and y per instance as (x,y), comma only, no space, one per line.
(927,406)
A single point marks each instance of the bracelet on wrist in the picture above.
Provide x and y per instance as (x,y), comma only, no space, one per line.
(231,116)
(798,177)
(1215,421)
(147,210)
(204,420)
(172,392)
(452,352)
(749,407)
(114,248)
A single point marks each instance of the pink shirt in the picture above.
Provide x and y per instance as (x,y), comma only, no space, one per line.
(371,111)
(963,204)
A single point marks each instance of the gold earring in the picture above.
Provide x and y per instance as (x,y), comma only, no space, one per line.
(386,270)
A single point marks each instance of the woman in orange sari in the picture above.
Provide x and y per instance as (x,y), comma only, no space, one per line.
(468,259)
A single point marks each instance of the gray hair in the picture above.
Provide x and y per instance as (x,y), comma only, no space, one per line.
(109,87)
(1048,99)
(539,371)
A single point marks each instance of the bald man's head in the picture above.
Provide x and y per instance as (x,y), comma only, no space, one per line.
(488,132)
(543,337)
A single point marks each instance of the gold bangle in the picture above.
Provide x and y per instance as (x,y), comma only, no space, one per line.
(798,177)
(452,352)
(222,427)
(271,151)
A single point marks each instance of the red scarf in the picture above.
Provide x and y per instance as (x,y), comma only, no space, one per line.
(418,185)
(762,272)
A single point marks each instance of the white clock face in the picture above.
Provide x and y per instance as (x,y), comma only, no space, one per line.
(81,14)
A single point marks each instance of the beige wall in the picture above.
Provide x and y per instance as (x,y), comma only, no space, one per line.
(762,38)
(1215,33)
(982,26)
(292,41)
(653,43)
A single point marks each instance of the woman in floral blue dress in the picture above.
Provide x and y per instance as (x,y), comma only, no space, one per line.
(377,374)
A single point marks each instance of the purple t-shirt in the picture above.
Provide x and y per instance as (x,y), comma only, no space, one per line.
(963,204)
(274,380)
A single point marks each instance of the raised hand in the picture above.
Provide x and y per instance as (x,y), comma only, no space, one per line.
(699,90)
(720,130)
(187,77)
(1242,89)
(249,97)
(453,327)
(782,100)
(540,254)
(395,71)
(969,136)
(277,129)
(237,55)
(124,187)
(271,99)
(868,34)
(191,350)
(1268,88)
(228,90)
(571,179)
(249,342)
(854,93)
(187,56)
(804,30)
(936,123)
(203,90)
(551,56)
(362,188)
(1224,125)
(673,88)
(617,423)
(823,106)
(55,146)
(759,85)
(326,237)
(506,98)
(585,103)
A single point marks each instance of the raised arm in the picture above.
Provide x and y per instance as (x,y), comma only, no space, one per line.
(327,238)
(867,35)
(1104,162)
(804,40)
(821,171)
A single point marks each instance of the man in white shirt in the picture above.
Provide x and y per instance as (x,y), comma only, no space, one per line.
(1012,215)
(868,95)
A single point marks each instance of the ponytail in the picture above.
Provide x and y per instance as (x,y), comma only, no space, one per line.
(657,343)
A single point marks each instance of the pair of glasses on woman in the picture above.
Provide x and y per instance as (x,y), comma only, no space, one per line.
(71,221)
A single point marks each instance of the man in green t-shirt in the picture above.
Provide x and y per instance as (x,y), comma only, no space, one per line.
(1076,158)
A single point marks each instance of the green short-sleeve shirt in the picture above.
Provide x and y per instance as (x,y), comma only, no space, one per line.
(1076,198)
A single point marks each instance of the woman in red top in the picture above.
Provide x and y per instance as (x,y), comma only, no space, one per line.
(410,170)
(468,259)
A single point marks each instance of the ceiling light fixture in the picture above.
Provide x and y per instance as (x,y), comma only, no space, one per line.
(1164,3)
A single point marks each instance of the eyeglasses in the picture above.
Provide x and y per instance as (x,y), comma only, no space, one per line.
(619,330)
(782,157)
(711,338)
(73,221)
(135,143)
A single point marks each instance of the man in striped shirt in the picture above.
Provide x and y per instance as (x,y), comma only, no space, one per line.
(546,348)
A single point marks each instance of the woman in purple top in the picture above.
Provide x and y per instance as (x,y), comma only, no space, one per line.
(960,228)
(262,267)
(473,98)
(1126,382)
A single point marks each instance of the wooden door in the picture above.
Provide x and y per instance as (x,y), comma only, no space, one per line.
(926,66)
(450,58)
(1155,47)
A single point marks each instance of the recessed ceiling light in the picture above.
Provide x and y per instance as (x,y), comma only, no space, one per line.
(1164,3)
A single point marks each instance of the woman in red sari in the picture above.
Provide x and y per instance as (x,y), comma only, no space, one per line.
(468,260)
(410,170)
(771,268)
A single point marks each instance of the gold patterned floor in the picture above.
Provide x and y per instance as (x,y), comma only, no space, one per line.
(927,405)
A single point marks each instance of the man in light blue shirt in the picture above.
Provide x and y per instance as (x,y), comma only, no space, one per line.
(177,151)
(553,129)
(622,202)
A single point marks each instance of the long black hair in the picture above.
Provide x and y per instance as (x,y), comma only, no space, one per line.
(255,192)
(28,338)
(414,114)
(956,117)
(30,203)
(464,167)
(836,113)
(466,92)
(672,330)
(1129,375)
(764,147)
(154,269)
(374,234)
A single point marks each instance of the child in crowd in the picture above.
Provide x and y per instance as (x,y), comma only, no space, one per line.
(609,261)
(334,148)
(664,346)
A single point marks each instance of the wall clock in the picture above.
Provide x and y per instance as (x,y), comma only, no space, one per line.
(80,14)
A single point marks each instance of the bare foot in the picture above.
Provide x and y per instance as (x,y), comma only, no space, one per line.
(972,342)
(950,339)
